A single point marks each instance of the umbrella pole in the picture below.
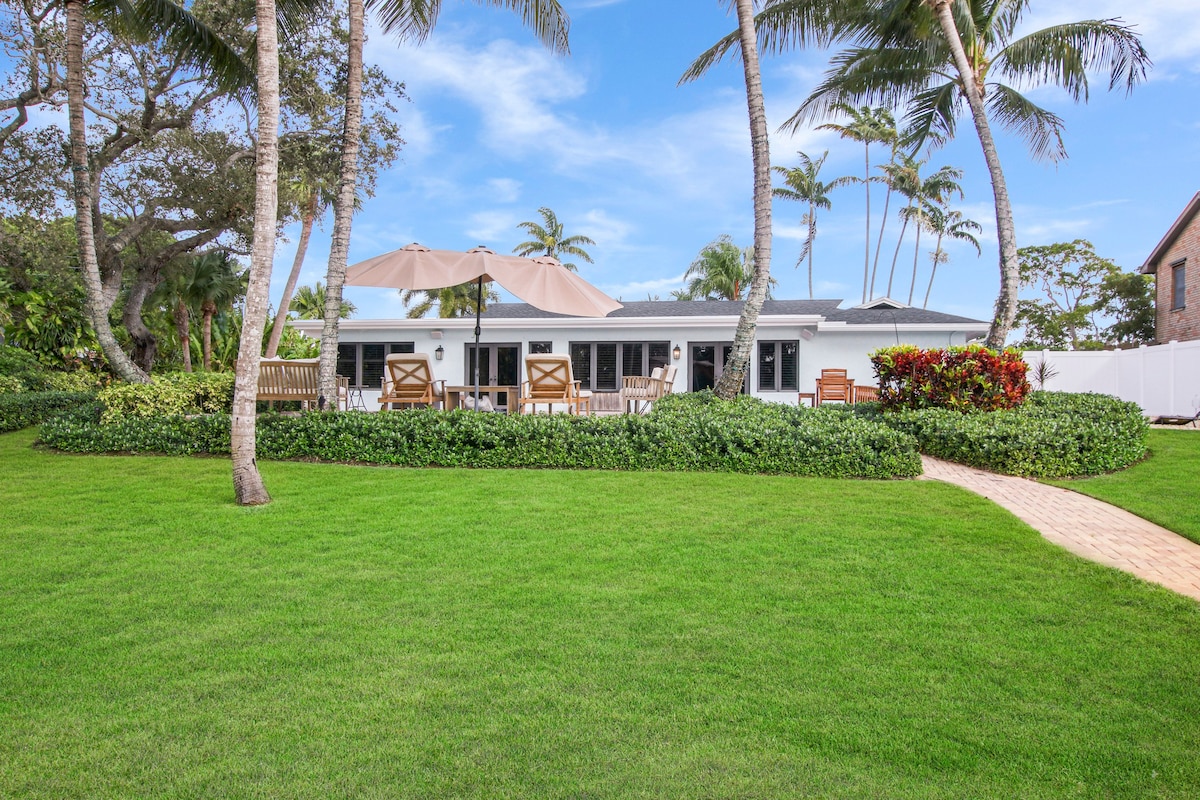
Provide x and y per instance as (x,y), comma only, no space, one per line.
(478,305)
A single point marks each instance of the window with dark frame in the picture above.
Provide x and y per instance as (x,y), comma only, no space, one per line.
(541,347)
(599,366)
(363,362)
(778,366)
(1178,285)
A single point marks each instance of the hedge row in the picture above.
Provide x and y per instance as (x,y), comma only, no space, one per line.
(692,432)
(25,409)
(1051,435)
(170,394)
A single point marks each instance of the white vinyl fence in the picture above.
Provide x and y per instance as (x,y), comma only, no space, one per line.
(1163,379)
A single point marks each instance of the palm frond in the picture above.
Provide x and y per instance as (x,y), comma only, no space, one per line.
(1041,129)
(414,20)
(1064,54)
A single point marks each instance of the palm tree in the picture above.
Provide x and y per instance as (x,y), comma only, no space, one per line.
(311,187)
(214,281)
(411,20)
(175,294)
(548,239)
(923,194)
(866,125)
(182,33)
(722,271)
(310,301)
(933,56)
(452,301)
(804,185)
(952,225)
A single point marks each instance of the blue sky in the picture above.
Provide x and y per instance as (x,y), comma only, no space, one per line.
(497,127)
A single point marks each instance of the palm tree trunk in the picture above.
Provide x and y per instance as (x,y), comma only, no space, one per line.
(734,372)
(867,252)
(97,306)
(306,226)
(812,234)
(937,251)
(182,330)
(207,312)
(343,213)
(1006,300)
(248,484)
(887,201)
(896,255)
(912,287)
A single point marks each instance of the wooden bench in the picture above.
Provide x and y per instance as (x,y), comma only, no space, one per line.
(295,380)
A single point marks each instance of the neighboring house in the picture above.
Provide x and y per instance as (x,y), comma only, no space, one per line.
(796,340)
(1175,263)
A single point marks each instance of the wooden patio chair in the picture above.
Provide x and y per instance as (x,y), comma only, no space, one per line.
(550,383)
(408,381)
(639,391)
(866,394)
(833,385)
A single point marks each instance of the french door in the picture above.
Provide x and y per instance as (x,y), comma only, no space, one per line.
(707,362)
(499,365)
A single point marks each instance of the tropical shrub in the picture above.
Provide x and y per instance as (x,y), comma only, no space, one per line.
(958,378)
(24,409)
(1051,435)
(685,433)
(21,371)
(169,394)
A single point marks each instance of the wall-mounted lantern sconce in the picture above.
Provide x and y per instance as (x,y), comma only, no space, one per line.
(439,353)
(676,353)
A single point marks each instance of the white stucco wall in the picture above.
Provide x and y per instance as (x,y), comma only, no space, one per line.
(822,345)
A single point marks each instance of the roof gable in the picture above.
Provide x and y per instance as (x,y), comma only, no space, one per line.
(1179,226)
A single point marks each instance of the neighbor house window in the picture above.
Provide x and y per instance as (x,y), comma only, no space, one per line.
(541,347)
(1178,284)
(363,362)
(777,363)
(598,366)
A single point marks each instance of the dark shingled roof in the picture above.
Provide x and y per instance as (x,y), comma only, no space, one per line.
(828,309)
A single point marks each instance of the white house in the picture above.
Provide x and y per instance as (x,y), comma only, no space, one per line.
(795,340)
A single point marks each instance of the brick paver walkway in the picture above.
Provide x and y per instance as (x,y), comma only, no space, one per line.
(1085,526)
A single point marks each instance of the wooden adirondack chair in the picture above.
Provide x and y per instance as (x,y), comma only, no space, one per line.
(834,385)
(408,381)
(550,383)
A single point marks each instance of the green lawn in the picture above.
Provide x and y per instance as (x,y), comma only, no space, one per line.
(1165,488)
(382,632)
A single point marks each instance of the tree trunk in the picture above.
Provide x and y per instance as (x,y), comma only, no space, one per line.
(306,226)
(183,326)
(912,287)
(937,251)
(887,201)
(812,235)
(207,311)
(96,306)
(1006,300)
(145,346)
(343,213)
(867,251)
(248,485)
(734,372)
(896,255)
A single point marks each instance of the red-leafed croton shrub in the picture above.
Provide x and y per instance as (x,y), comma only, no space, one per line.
(961,378)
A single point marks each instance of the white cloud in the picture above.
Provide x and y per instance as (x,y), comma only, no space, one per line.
(491,226)
(504,190)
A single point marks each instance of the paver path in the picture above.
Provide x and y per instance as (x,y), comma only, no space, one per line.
(1085,526)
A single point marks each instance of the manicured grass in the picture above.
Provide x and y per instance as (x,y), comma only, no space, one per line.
(1164,488)
(382,632)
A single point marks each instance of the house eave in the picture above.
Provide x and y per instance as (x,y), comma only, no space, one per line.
(1181,223)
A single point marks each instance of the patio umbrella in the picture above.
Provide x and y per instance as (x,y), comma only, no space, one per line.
(542,282)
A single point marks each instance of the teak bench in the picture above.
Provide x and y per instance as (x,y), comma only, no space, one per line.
(295,379)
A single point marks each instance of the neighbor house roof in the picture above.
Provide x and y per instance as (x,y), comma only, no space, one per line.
(1179,226)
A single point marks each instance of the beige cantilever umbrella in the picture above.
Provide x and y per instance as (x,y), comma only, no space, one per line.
(542,282)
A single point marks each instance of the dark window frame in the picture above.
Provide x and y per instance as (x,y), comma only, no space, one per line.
(650,354)
(356,379)
(1179,285)
(779,382)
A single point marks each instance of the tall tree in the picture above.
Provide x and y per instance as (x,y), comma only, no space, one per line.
(548,239)
(309,303)
(930,195)
(804,185)
(214,281)
(722,271)
(931,57)
(948,225)
(248,486)
(412,20)
(869,126)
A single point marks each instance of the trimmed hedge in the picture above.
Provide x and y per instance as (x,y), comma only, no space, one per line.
(25,409)
(1051,435)
(692,432)
(170,394)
